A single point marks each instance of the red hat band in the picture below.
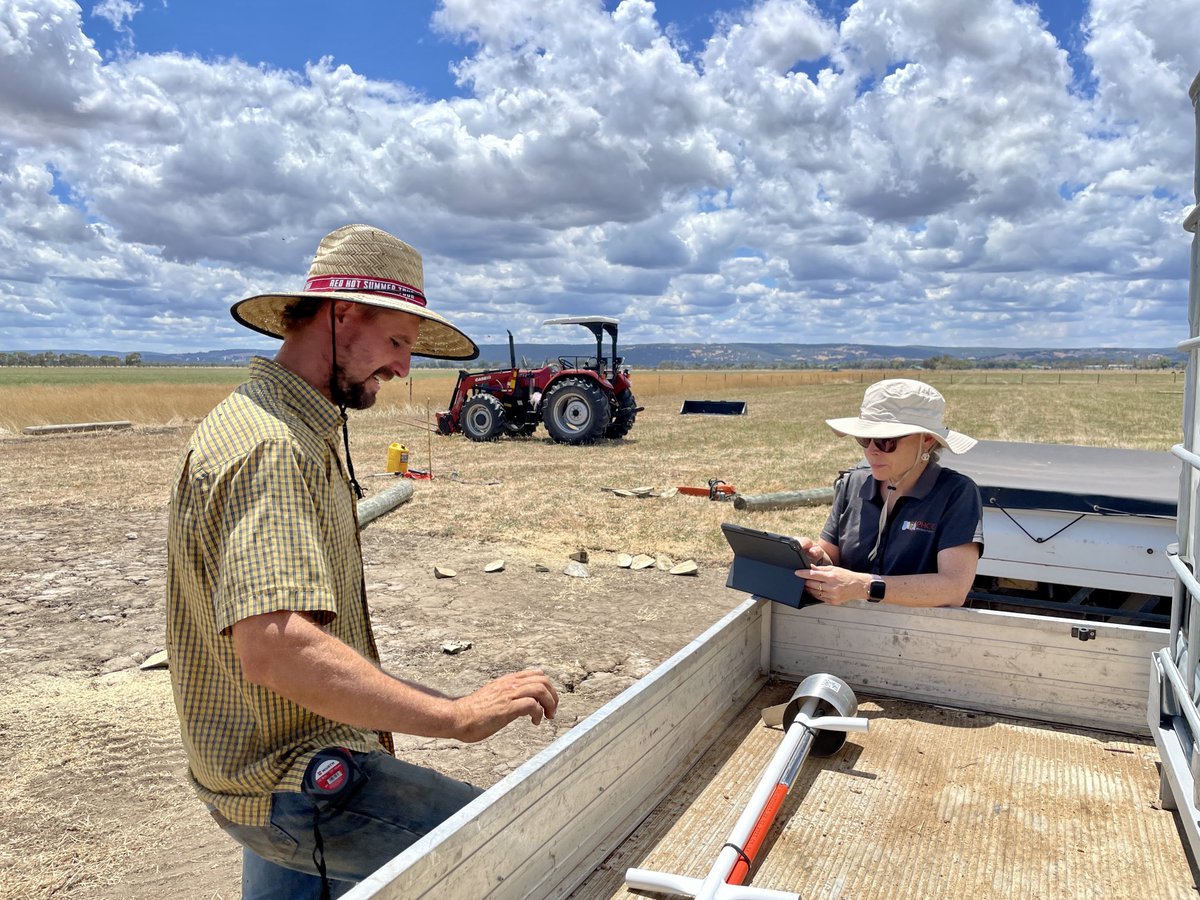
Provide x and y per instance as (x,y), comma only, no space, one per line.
(361,284)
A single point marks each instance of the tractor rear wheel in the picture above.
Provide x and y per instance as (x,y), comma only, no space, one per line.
(576,411)
(483,418)
(624,417)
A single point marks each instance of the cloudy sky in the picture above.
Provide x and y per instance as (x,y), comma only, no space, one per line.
(950,172)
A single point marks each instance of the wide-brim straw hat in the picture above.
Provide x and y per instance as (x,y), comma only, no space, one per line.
(898,407)
(362,264)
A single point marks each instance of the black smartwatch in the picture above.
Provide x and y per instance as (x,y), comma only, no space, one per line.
(877,590)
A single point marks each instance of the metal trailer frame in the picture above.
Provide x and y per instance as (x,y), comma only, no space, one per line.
(1174,679)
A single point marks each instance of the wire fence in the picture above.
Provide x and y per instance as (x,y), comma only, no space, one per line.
(655,382)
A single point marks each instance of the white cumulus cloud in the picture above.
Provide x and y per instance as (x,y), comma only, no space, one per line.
(916,171)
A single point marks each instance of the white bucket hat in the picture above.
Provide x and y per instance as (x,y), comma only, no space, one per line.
(898,407)
(362,264)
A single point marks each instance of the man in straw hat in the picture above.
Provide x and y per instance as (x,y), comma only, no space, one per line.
(285,712)
(902,529)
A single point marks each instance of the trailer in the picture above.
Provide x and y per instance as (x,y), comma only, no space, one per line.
(1005,758)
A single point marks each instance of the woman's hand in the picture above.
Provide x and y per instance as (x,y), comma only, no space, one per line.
(815,552)
(948,586)
(835,585)
(826,580)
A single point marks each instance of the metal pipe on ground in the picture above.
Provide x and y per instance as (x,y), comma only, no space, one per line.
(783,499)
(383,503)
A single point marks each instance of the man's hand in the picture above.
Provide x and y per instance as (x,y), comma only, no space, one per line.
(487,710)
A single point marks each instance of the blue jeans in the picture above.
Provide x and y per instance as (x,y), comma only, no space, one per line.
(388,805)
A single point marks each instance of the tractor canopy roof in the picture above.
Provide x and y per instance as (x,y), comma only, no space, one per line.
(594,324)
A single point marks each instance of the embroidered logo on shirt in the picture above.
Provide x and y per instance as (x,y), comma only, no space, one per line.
(913,525)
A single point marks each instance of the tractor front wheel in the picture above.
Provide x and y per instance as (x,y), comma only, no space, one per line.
(624,417)
(576,411)
(483,418)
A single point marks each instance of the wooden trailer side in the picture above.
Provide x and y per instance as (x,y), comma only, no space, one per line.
(1034,667)
(541,830)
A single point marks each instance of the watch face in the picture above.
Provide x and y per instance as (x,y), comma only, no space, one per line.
(877,590)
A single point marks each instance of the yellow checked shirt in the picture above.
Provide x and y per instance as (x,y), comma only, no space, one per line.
(262,519)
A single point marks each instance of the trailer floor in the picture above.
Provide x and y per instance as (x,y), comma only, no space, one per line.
(931,802)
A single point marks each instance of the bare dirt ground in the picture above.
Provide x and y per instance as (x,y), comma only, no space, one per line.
(93,780)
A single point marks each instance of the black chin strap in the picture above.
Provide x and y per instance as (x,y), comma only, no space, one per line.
(335,393)
(354,485)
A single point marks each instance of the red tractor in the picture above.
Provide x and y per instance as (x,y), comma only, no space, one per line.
(580,400)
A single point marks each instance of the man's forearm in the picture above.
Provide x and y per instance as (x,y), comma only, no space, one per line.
(294,657)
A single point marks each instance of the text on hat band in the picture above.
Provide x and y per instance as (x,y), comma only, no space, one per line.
(360,284)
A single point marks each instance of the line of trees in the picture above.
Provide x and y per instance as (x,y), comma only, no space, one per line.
(944,362)
(1150,361)
(20,358)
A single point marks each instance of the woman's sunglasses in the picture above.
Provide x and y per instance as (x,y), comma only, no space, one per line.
(883,445)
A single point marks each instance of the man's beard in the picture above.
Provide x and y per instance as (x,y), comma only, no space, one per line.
(352,395)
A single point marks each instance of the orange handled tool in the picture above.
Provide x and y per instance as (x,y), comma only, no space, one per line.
(716,490)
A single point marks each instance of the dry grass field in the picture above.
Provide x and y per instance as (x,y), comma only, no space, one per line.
(97,805)
(547,496)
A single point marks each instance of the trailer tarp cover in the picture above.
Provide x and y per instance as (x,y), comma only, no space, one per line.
(1101,480)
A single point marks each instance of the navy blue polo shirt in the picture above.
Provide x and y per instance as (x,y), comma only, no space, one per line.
(942,511)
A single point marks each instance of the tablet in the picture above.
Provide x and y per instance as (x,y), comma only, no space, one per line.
(765,564)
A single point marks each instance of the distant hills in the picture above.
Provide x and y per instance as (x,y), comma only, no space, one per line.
(698,356)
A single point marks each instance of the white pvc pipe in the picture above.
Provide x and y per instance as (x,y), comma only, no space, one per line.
(833,723)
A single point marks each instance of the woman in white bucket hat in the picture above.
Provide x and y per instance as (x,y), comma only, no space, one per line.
(902,529)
